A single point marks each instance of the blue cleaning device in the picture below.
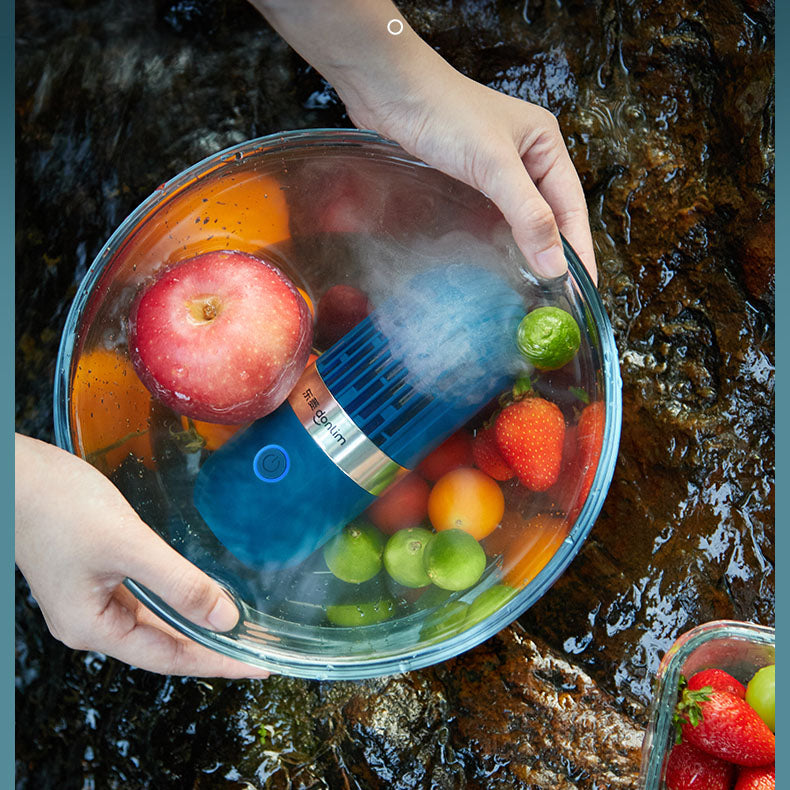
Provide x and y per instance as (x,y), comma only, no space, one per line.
(371,407)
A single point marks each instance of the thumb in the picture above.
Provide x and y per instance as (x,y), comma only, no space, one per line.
(152,563)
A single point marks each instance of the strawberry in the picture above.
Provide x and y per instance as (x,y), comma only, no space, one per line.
(689,768)
(580,457)
(564,494)
(487,457)
(589,434)
(724,725)
(716,680)
(530,434)
(761,778)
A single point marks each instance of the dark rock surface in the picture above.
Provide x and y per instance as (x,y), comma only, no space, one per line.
(667,108)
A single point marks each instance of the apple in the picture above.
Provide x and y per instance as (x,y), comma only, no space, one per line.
(349,202)
(339,310)
(221,337)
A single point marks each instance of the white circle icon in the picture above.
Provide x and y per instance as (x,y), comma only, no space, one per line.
(394,27)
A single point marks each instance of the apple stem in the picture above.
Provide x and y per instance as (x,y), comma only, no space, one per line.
(204,309)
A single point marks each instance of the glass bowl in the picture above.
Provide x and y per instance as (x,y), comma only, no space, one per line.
(738,648)
(331,207)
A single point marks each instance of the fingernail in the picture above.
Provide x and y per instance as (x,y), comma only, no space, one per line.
(224,615)
(258,674)
(551,262)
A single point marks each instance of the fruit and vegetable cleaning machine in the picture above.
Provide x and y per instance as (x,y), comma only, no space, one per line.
(371,407)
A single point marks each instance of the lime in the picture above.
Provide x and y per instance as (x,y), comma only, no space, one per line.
(432,597)
(354,555)
(454,560)
(350,615)
(444,622)
(488,602)
(548,337)
(403,556)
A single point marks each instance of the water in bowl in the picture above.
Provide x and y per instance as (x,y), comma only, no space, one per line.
(369,224)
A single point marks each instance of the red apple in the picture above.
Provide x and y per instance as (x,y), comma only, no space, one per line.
(339,310)
(348,202)
(221,337)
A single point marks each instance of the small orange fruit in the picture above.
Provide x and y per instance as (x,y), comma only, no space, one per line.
(308,301)
(530,549)
(109,410)
(466,499)
(247,213)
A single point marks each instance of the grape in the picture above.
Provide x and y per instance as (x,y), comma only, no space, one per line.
(760,694)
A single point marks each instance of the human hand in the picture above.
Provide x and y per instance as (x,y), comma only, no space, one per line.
(507,148)
(77,539)
(399,86)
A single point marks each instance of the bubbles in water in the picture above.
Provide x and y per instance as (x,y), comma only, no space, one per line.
(450,316)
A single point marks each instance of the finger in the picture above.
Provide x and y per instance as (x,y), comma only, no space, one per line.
(151,562)
(560,186)
(142,614)
(149,647)
(507,182)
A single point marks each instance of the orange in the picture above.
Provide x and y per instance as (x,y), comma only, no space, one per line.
(531,547)
(246,212)
(308,301)
(466,499)
(109,410)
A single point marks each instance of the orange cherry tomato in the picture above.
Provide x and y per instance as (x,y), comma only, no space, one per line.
(454,452)
(403,505)
(466,499)
(109,410)
(533,543)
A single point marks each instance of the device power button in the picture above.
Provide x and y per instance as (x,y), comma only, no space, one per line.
(271,463)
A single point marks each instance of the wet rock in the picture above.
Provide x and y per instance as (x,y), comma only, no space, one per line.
(512,713)
(667,110)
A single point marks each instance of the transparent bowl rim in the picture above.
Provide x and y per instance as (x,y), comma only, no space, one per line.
(344,667)
(666,684)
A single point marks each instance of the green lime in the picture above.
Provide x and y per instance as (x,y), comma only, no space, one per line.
(488,602)
(434,596)
(403,556)
(454,560)
(350,615)
(444,622)
(548,337)
(355,554)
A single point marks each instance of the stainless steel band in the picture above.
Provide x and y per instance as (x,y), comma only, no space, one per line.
(339,437)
